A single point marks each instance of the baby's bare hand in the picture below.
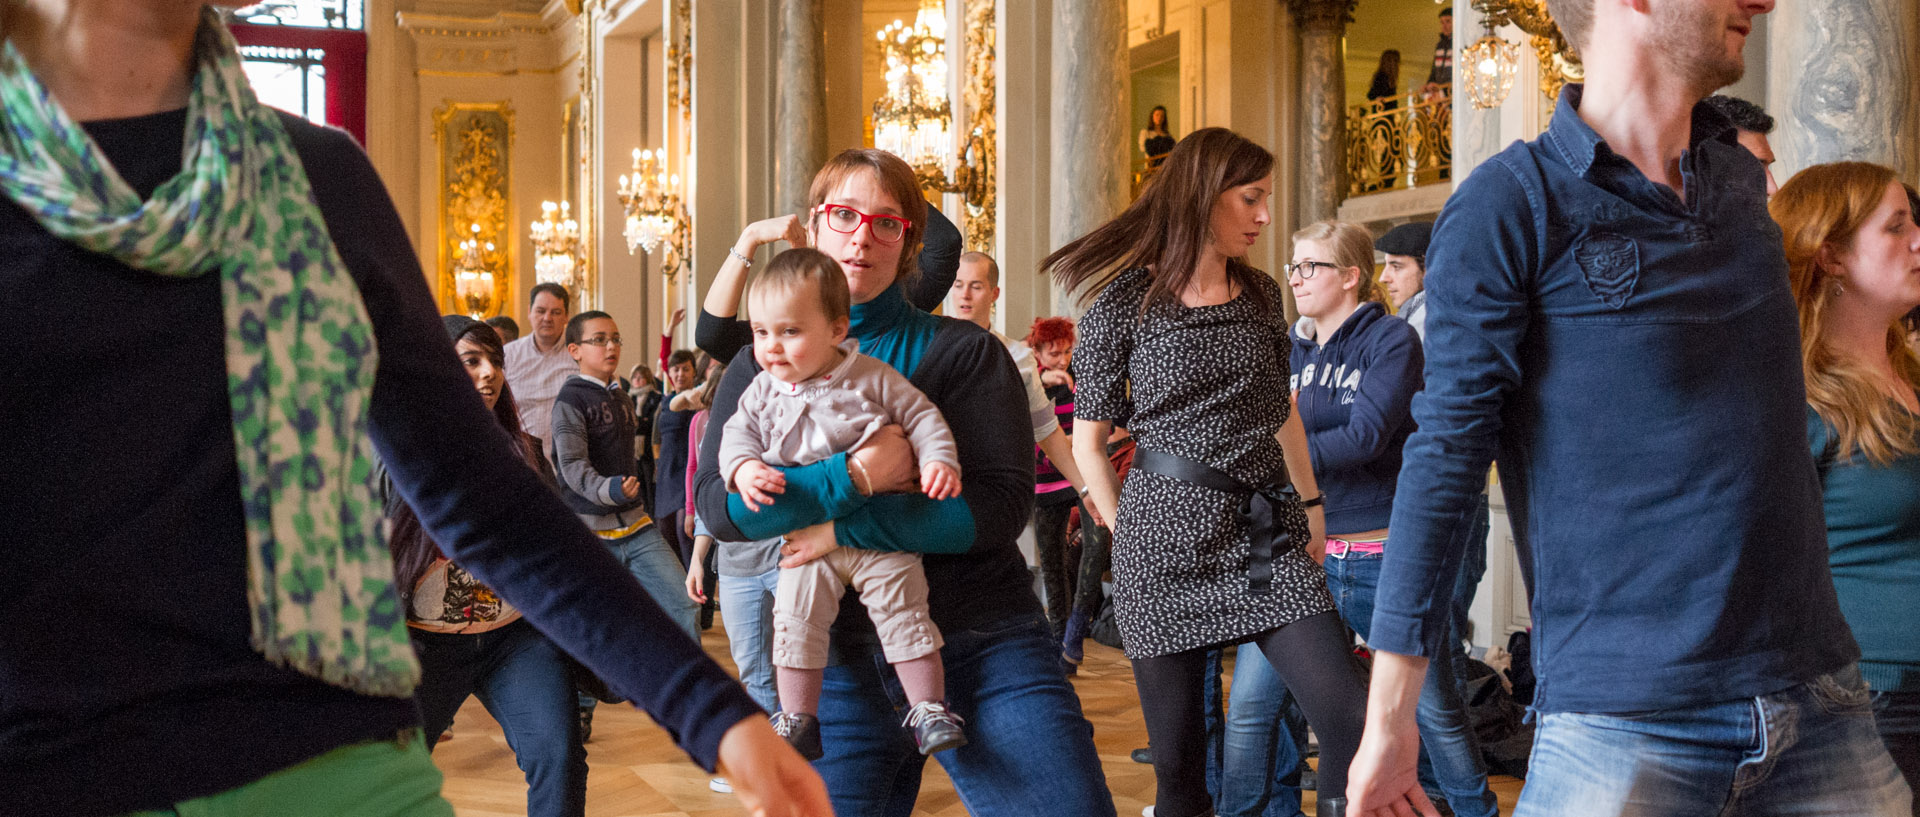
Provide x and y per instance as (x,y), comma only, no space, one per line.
(939,480)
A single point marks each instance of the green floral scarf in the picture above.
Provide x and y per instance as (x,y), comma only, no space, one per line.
(300,352)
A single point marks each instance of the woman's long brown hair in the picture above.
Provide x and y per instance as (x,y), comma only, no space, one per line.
(1167,228)
(1825,206)
(413,550)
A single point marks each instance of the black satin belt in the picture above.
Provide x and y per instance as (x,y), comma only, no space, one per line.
(1259,508)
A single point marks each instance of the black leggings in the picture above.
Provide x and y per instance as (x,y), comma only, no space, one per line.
(1311,656)
(1069,588)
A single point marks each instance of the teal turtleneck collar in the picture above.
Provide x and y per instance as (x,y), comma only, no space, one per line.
(892,330)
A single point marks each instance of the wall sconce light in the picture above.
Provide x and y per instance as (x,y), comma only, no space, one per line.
(472,279)
(656,215)
(556,246)
(1491,63)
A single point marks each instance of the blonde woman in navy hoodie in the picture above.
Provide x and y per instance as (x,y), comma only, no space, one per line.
(1355,371)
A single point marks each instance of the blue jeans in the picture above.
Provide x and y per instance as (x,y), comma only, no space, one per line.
(1473,567)
(746,609)
(522,679)
(1896,716)
(1265,745)
(652,561)
(1029,750)
(1446,737)
(1807,750)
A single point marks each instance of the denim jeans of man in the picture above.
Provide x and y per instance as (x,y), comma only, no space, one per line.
(1446,737)
(652,561)
(1804,751)
(1896,716)
(1029,749)
(746,610)
(522,680)
(1265,743)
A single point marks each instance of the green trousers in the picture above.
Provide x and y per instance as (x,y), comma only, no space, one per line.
(388,778)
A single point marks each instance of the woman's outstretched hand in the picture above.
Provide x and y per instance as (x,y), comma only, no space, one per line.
(768,776)
(808,543)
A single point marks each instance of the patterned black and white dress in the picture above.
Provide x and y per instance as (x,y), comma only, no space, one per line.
(1207,383)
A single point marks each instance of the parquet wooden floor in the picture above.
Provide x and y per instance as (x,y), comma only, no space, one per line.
(636,772)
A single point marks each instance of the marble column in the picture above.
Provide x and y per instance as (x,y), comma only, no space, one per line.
(1090,143)
(1843,83)
(800,92)
(1322,25)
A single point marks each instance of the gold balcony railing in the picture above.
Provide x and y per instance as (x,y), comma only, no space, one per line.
(1144,170)
(1405,141)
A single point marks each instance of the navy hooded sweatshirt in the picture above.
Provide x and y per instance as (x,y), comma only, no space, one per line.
(1355,393)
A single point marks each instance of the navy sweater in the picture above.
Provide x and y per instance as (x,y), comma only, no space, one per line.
(1355,397)
(126,678)
(1632,359)
(975,574)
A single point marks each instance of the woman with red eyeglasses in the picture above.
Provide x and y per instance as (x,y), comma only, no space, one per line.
(1030,749)
(719,332)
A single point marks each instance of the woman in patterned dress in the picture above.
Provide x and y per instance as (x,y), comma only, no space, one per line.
(1193,342)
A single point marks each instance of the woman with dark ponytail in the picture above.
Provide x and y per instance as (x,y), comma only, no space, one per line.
(472,642)
(1191,341)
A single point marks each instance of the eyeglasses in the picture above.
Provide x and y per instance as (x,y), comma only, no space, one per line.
(1307,269)
(844,219)
(602,340)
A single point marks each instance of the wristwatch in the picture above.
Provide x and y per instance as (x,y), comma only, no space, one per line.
(1314,502)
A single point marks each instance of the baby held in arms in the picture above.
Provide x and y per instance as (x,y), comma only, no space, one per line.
(817,396)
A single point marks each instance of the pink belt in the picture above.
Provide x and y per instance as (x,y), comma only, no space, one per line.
(1342,548)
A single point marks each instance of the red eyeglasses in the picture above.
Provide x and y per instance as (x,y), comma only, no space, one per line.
(844,219)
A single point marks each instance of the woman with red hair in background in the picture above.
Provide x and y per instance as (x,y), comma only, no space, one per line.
(1054,499)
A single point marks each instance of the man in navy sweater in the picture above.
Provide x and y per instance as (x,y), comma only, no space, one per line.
(1608,317)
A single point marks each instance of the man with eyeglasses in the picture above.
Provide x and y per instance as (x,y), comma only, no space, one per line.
(538,363)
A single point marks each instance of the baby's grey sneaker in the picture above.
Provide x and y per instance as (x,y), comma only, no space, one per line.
(801,731)
(935,727)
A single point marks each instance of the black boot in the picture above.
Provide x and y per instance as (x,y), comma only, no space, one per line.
(1330,807)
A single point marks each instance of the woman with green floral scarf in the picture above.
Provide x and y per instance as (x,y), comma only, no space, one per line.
(214,307)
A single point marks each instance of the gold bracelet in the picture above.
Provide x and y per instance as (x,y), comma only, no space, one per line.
(858,473)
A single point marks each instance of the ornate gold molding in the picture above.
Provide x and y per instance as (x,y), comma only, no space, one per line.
(475,143)
(1322,14)
(680,63)
(976,176)
(580,129)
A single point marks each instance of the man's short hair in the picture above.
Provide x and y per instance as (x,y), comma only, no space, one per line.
(576,326)
(504,325)
(1745,115)
(993,267)
(680,356)
(1447,12)
(553,289)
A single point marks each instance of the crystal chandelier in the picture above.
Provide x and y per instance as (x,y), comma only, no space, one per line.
(913,118)
(472,280)
(655,214)
(1492,63)
(556,246)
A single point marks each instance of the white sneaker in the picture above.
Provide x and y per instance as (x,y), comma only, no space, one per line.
(720,785)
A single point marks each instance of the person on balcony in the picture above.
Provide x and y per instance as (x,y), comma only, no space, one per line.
(1155,139)
(1383,96)
(1440,76)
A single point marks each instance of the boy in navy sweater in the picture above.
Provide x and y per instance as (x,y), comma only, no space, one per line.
(593,424)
